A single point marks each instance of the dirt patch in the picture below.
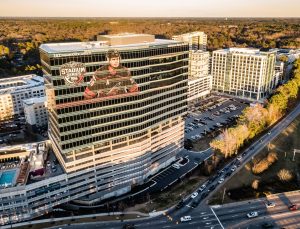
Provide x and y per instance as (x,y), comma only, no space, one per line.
(202,144)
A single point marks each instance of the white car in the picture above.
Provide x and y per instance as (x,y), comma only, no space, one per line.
(239,158)
(176,166)
(233,168)
(221,180)
(252,215)
(194,195)
(270,204)
(202,188)
(186,218)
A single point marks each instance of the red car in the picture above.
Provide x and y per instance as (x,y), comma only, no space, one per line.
(293,207)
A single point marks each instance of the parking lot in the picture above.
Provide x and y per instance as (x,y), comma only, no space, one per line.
(211,119)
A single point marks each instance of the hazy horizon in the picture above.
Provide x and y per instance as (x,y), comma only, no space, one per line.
(151,9)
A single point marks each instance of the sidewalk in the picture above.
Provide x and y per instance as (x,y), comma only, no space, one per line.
(36,224)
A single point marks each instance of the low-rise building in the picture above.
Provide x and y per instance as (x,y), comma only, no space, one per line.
(16,89)
(35,111)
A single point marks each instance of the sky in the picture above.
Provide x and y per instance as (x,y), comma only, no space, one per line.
(150,8)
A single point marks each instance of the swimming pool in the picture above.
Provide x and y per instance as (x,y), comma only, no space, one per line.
(7,177)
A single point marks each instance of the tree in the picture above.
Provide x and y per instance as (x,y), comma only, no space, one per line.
(272,157)
(283,58)
(4,50)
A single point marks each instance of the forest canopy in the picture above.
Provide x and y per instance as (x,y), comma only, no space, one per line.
(24,35)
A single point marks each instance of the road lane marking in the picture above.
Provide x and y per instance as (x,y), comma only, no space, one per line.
(217,218)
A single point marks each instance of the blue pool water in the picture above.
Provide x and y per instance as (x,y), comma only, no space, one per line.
(7,177)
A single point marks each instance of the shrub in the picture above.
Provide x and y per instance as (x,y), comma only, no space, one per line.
(255,184)
(285,175)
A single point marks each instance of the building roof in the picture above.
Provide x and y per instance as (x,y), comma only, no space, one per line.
(34,100)
(247,51)
(20,83)
(99,46)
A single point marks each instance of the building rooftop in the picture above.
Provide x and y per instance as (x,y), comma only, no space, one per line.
(191,34)
(34,100)
(15,84)
(27,161)
(249,51)
(108,41)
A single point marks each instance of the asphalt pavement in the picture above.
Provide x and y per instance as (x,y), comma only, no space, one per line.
(235,215)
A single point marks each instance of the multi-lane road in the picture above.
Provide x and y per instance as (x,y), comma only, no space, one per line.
(235,215)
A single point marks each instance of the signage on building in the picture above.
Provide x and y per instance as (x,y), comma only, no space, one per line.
(72,72)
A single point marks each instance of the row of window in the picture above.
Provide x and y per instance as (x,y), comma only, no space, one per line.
(123,100)
(123,118)
(91,139)
(100,57)
(118,109)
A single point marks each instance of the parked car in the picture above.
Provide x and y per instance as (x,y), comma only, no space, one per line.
(239,158)
(252,215)
(185,218)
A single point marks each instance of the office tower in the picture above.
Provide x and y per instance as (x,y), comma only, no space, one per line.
(243,72)
(132,134)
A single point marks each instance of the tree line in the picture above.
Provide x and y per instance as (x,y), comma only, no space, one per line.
(25,35)
(258,118)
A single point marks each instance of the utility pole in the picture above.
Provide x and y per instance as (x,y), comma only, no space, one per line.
(223,195)
(295,151)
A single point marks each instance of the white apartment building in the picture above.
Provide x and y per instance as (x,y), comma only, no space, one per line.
(200,82)
(197,40)
(244,72)
(15,89)
(35,111)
